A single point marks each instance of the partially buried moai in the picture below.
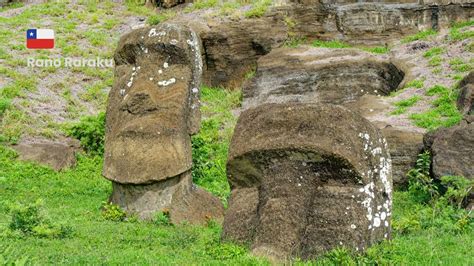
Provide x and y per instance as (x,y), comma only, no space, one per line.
(306,179)
(153,110)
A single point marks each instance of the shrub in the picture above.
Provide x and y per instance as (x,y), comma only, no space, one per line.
(4,105)
(113,212)
(457,189)
(420,182)
(90,131)
(28,220)
(224,251)
(162,218)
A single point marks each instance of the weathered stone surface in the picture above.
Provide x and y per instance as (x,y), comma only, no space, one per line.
(404,147)
(452,150)
(153,109)
(57,155)
(305,179)
(178,197)
(309,75)
(153,105)
(465,100)
(233,45)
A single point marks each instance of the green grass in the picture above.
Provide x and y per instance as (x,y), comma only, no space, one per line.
(434,51)
(443,112)
(201,4)
(459,32)
(423,234)
(161,17)
(458,65)
(435,61)
(422,35)
(330,44)
(403,105)
(258,9)
(210,145)
(377,50)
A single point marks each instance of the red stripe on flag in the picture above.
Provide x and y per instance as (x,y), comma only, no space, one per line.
(39,43)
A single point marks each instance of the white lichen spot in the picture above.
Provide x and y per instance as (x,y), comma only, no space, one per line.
(383,215)
(160,71)
(173,41)
(151,78)
(386,223)
(122,92)
(376,222)
(167,82)
(165,65)
(353,226)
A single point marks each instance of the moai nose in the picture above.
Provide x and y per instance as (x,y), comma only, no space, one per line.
(140,99)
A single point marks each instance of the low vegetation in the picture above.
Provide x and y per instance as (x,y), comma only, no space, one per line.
(403,105)
(422,35)
(443,111)
(428,228)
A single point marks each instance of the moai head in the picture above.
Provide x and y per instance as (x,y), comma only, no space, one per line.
(153,105)
(305,179)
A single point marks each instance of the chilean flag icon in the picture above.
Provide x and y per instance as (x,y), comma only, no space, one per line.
(40,39)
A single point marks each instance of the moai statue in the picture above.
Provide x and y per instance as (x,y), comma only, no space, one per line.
(153,110)
(306,179)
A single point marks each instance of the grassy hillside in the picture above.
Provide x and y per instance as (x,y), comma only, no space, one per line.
(61,218)
(75,230)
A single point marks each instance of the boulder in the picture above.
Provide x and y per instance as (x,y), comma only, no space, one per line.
(152,111)
(465,102)
(57,155)
(306,179)
(404,147)
(309,75)
(451,150)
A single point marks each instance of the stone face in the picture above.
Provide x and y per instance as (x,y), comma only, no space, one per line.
(305,179)
(309,75)
(465,100)
(152,111)
(451,150)
(153,105)
(58,156)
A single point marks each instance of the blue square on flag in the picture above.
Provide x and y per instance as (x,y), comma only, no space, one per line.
(40,39)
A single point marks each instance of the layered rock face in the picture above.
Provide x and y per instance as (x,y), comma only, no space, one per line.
(153,109)
(232,46)
(311,75)
(305,179)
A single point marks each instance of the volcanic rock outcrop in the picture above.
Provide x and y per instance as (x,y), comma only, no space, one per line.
(309,75)
(232,46)
(305,179)
(153,109)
